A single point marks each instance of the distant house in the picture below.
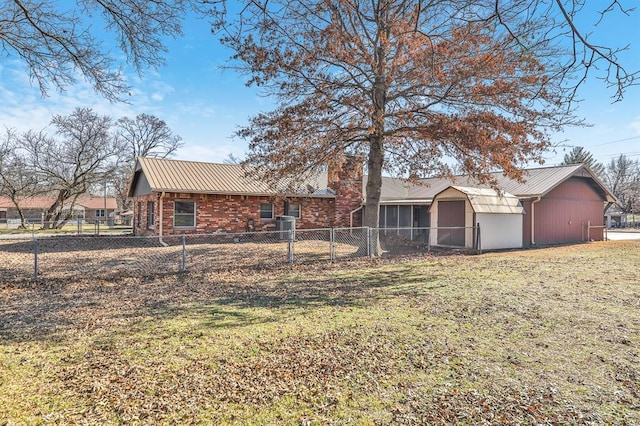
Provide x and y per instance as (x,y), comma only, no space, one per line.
(34,208)
(553,205)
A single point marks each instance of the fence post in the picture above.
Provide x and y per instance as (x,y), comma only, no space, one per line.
(478,239)
(35,258)
(290,246)
(589,230)
(368,241)
(183,267)
(332,244)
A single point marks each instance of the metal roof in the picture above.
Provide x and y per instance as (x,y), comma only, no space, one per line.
(214,178)
(164,175)
(44,202)
(487,200)
(536,183)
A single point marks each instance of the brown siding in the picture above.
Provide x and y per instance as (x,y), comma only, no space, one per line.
(526,223)
(563,214)
(451,214)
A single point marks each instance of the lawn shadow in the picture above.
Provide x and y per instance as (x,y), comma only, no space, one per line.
(57,308)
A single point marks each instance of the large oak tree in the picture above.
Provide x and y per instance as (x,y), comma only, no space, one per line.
(416,88)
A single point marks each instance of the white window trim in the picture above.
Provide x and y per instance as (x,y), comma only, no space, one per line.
(299,210)
(272,211)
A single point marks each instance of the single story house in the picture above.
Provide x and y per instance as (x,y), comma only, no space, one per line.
(34,208)
(185,197)
(552,205)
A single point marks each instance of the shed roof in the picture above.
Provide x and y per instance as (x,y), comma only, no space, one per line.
(166,175)
(487,200)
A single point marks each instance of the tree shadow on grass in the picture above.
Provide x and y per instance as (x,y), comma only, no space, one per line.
(93,305)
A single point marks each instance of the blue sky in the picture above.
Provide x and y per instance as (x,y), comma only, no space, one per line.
(205,105)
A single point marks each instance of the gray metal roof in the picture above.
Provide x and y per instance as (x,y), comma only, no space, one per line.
(536,183)
(214,178)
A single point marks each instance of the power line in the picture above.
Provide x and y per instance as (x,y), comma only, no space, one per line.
(616,141)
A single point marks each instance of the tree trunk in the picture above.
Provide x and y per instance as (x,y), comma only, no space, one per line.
(374,182)
(374,189)
(23,224)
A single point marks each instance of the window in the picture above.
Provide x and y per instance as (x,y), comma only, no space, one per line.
(266,211)
(100,213)
(139,214)
(294,210)
(151,215)
(184,214)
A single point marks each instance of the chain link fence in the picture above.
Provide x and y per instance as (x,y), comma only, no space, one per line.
(82,256)
(96,226)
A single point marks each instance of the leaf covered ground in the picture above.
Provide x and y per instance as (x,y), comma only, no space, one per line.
(547,336)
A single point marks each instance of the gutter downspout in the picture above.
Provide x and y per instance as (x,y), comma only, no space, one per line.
(160,219)
(351,216)
(533,219)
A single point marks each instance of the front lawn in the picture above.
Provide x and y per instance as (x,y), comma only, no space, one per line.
(534,337)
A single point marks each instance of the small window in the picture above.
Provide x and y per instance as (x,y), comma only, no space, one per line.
(139,214)
(294,210)
(100,213)
(266,211)
(184,215)
(151,215)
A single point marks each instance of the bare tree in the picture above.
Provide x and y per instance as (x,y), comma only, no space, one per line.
(79,155)
(16,181)
(622,176)
(143,136)
(57,40)
(147,136)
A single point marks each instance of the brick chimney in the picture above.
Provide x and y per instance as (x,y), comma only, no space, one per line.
(346,180)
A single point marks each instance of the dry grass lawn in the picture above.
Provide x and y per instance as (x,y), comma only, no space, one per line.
(548,336)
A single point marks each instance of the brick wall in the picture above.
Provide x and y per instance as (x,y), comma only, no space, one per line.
(237,213)
(140,214)
(346,181)
(230,213)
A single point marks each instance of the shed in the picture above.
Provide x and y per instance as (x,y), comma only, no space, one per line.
(458,209)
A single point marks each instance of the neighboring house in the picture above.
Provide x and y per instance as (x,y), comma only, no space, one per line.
(34,208)
(552,205)
(615,219)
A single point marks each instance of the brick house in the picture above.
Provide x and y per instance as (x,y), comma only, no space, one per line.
(184,197)
(556,205)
